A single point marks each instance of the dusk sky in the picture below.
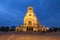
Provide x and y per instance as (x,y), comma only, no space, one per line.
(12,12)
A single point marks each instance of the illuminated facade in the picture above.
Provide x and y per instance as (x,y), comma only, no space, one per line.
(30,22)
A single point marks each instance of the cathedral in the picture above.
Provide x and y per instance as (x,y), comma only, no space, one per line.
(31,24)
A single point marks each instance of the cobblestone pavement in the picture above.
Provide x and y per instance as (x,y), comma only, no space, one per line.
(29,36)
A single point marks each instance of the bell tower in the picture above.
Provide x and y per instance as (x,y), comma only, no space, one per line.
(30,19)
(30,11)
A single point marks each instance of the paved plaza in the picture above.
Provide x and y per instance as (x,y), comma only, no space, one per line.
(29,36)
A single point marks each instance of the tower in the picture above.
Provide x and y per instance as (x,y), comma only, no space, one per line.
(30,19)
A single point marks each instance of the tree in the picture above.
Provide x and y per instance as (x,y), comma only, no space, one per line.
(13,28)
(7,28)
(2,28)
(55,29)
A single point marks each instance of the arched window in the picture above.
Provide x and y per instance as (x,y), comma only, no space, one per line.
(29,22)
(30,8)
(29,14)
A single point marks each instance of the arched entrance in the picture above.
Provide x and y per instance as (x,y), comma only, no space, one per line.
(29,22)
(29,29)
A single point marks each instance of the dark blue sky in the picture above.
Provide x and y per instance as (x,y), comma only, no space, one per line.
(12,12)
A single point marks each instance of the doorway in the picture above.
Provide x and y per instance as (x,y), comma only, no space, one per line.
(29,29)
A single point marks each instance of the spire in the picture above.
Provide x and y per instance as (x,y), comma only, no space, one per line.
(30,11)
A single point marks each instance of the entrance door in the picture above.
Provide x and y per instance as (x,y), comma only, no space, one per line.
(29,29)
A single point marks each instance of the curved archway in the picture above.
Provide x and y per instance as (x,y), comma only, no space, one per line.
(29,22)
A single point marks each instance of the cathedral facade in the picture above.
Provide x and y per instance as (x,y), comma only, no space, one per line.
(30,23)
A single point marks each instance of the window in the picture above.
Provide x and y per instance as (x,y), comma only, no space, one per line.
(30,8)
(29,23)
(29,14)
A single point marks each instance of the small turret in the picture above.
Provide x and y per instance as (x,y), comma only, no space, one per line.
(30,9)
